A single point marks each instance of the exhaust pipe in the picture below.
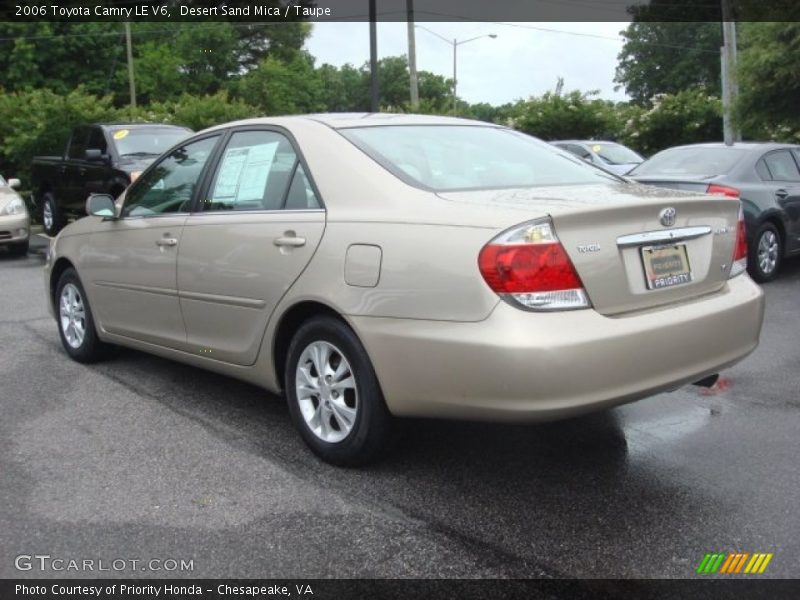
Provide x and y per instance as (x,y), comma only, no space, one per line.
(707,382)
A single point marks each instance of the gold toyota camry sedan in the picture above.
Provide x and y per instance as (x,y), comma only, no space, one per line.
(372,266)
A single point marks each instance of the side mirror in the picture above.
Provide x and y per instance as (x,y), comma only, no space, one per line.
(14,183)
(101,205)
(95,155)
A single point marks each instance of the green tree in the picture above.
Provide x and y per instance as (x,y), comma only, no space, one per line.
(688,117)
(564,116)
(59,56)
(769,80)
(281,87)
(665,58)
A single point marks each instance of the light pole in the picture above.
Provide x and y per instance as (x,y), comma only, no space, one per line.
(455,43)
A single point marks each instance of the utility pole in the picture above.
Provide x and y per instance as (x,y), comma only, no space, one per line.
(373,57)
(455,79)
(730,87)
(412,55)
(131,82)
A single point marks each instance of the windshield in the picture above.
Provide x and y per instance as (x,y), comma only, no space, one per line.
(691,160)
(459,157)
(616,154)
(147,141)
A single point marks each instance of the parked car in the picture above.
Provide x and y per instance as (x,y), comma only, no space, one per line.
(373,266)
(612,156)
(99,158)
(15,226)
(764,176)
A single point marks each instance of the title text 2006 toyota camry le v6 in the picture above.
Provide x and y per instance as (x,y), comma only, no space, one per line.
(373,266)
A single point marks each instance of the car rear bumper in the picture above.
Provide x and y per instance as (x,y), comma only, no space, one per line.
(526,366)
(13,229)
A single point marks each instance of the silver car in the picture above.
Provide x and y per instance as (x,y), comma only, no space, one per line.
(380,266)
(611,156)
(15,223)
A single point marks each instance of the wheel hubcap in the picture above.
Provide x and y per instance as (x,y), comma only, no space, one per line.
(768,252)
(47,215)
(326,392)
(73,316)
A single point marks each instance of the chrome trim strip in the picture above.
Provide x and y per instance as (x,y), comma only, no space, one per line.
(219,299)
(213,298)
(663,236)
(137,288)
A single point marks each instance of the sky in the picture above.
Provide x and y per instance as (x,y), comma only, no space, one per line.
(524,59)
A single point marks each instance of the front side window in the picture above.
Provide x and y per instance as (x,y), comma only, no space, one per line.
(458,157)
(169,186)
(254,173)
(77,144)
(97,140)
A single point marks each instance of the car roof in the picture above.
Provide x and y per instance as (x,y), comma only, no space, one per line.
(345,120)
(587,142)
(739,145)
(139,125)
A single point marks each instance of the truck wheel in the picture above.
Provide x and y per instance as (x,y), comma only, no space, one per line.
(52,218)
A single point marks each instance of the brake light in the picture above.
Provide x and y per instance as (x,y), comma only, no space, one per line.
(528,266)
(722,190)
(739,264)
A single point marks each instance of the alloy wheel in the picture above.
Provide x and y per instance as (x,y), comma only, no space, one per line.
(72,315)
(326,391)
(768,248)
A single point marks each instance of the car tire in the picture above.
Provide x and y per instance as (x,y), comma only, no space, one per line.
(765,253)
(342,417)
(75,321)
(19,249)
(52,217)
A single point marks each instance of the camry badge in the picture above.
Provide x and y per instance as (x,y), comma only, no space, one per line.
(667,216)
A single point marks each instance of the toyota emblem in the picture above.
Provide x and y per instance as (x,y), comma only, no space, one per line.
(667,216)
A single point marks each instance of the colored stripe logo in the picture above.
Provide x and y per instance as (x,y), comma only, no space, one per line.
(734,563)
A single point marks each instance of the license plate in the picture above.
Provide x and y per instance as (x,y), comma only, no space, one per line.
(665,266)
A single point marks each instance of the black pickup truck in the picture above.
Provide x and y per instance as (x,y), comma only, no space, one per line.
(99,158)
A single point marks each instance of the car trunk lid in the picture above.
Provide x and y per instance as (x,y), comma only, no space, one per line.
(614,235)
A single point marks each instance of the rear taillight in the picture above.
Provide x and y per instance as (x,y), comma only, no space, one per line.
(528,266)
(739,264)
(722,190)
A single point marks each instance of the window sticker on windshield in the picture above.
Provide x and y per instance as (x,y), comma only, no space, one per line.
(121,134)
(597,148)
(243,173)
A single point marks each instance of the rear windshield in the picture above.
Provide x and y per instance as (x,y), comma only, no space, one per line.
(704,162)
(147,141)
(458,157)
(616,154)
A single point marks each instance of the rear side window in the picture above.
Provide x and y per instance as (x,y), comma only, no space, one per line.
(782,166)
(692,160)
(461,157)
(255,172)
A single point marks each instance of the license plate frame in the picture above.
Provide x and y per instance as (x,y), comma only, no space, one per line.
(671,266)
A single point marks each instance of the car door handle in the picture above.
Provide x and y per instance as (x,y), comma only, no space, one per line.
(781,194)
(167,242)
(290,241)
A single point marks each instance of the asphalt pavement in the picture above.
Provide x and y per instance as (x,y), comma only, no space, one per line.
(140,458)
